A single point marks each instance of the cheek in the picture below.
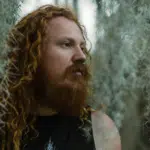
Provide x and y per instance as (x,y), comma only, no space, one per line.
(56,65)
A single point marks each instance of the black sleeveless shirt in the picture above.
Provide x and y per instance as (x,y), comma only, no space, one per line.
(59,133)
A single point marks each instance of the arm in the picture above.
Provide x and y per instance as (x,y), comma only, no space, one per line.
(106,135)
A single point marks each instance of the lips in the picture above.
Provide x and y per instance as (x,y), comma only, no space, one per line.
(78,73)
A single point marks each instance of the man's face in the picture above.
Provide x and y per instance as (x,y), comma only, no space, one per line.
(62,48)
(62,63)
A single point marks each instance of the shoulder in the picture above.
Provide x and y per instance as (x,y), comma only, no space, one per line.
(103,120)
(105,131)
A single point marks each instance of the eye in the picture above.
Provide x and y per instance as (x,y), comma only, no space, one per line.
(83,48)
(67,44)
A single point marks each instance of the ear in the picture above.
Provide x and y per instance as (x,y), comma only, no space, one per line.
(105,133)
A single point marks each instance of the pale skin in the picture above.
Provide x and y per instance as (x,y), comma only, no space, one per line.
(106,136)
(63,47)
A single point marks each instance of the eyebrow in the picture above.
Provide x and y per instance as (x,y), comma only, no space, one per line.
(72,40)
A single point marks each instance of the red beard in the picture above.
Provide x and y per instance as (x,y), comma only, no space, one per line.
(68,97)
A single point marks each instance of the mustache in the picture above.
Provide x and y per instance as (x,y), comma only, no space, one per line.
(82,68)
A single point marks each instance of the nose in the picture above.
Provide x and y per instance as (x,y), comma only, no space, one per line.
(79,56)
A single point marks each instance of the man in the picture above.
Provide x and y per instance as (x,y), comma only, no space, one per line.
(48,84)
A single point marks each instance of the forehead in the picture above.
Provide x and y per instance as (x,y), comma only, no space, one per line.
(63,27)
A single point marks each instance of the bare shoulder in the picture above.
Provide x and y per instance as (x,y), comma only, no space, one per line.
(106,135)
(103,120)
